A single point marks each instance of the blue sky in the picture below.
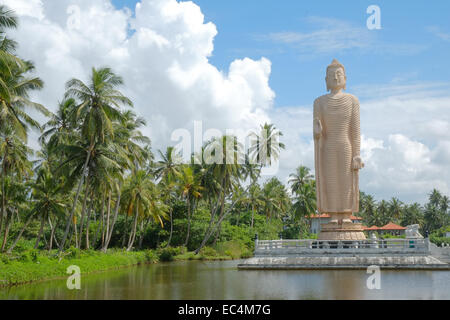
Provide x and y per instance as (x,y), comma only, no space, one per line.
(407,49)
(177,70)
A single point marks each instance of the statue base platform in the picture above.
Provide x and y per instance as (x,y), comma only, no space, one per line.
(341,228)
(418,254)
(342,262)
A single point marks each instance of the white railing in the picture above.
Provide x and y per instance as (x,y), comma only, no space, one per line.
(311,244)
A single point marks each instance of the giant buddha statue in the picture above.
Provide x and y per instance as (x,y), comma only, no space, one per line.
(337,157)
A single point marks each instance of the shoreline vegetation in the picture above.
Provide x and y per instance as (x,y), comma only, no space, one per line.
(96,194)
(33,265)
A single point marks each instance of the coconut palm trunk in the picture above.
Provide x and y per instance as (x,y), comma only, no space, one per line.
(253,216)
(52,234)
(21,232)
(88,222)
(2,213)
(41,230)
(133,231)
(83,211)
(125,231)
(171,228)
(100,222)
(5,234)
(72,212)
(189,223)
(108,215)
(116,212)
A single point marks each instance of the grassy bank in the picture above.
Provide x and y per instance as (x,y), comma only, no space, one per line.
(30,265)
(34,265)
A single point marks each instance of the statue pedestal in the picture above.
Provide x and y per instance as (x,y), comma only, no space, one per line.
(341,229)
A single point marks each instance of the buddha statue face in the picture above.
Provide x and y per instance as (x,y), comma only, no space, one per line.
(335,78)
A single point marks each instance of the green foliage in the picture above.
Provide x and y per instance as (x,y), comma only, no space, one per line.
(93,155)
(234,249)
(438,237)
(34,265)
(168,254)
(208,252)
(391,236)
(439,240)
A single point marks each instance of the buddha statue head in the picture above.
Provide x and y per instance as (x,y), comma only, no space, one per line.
(335,77)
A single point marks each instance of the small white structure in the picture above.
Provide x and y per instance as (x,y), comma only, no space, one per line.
(412,232)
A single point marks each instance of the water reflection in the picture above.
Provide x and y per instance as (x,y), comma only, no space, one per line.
(222,280)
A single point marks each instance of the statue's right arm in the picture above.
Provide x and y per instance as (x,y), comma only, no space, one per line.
(317,124)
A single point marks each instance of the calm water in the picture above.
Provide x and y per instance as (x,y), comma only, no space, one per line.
(222,280)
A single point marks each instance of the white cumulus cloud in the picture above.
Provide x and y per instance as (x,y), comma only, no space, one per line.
(163,50)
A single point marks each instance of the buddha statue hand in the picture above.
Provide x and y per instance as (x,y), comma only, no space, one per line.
(357,163)
(317,125)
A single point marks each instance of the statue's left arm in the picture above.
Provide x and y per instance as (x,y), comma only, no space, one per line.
(355,134)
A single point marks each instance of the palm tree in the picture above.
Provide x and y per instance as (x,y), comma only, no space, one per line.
(304,201)
(168,196)
(16,192)
(14,161)
(369,209)
(8,59)
(382,214)
(169,166)
(190,189)
(221,155)
(100,102)
(15,88)
(60,127)
(275,198)
(412,214)
(128,136)
(265,145)
(298,179)
(395,208)
(142,199)
(250,170)
(255,199)
(48,200)
(435,198)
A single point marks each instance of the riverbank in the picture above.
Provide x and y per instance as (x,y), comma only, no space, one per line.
(37,265)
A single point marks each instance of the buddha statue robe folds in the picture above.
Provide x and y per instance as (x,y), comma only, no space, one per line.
(337,152)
